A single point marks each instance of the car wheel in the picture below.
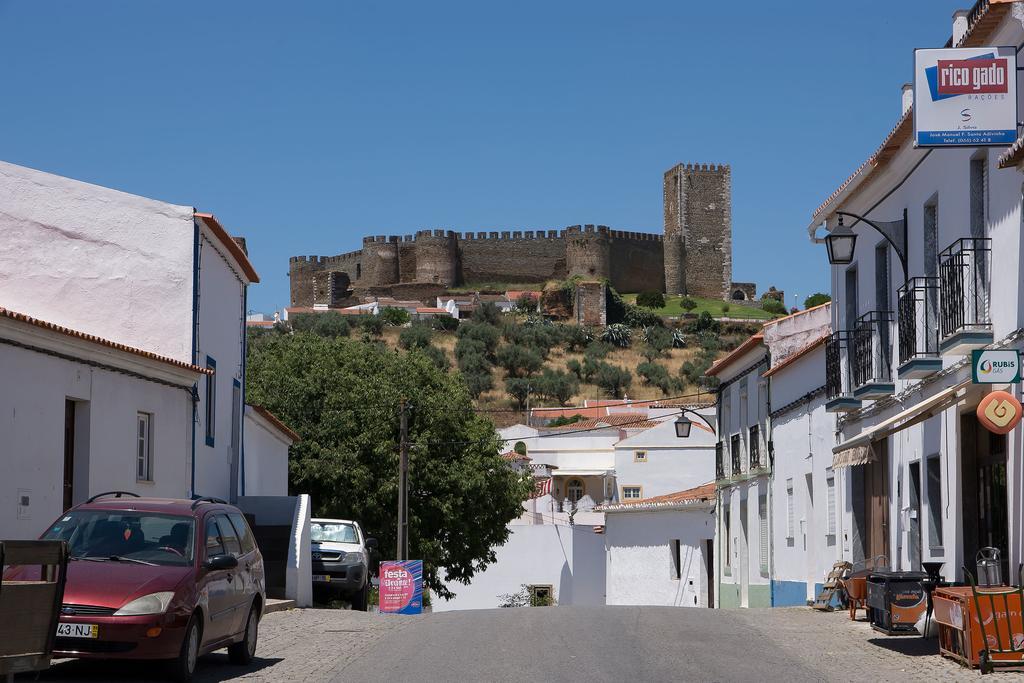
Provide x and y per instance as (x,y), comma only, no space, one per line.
(183,668)
(244,651)
(360,599)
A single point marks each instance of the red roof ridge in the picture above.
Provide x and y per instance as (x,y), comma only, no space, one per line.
(735,354)
(697,493)
(67,331)
(230,244)
(276,421)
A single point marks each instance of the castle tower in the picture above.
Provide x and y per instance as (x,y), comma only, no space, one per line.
(301,271)
(588,252)
(698,230)
(437,257)
(379,265)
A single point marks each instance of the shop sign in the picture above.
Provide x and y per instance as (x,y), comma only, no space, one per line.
(965,96)
(999,412)
(401,587)
(995,367)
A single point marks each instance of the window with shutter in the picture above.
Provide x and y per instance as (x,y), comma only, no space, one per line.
(790,511)
(762,513)
(831,490)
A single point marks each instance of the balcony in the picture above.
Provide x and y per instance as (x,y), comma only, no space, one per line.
(965,274)
(872,356)
(719,462)
(838,373)
(918,320)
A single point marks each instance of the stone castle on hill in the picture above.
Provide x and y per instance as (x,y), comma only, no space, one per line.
(693,256)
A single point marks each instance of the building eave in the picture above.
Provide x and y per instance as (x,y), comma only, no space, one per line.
(230,245)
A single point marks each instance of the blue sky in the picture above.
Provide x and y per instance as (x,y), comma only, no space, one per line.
(305,125)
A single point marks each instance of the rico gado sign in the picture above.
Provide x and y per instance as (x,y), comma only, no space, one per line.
(965,96)
(401,587)
(1000,366)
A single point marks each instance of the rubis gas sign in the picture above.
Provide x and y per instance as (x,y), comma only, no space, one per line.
(999,412)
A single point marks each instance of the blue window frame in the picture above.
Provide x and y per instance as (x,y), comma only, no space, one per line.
(211,401)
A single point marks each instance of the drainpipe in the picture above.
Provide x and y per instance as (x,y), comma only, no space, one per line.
(241,408)
(195,347)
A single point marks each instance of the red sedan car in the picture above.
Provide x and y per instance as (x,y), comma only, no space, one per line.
(159,579)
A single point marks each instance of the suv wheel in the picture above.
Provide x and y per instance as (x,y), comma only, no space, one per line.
(362,598)
(244,651)
(184,666)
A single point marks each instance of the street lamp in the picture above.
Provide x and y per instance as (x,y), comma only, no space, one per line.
(841,241)
(840,244)
(684,423)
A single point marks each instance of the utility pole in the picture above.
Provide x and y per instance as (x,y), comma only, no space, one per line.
(403,481)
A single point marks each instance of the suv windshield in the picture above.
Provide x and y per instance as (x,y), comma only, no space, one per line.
(121,535)
(333,532)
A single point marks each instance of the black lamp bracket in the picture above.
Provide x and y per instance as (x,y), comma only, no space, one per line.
(895,233)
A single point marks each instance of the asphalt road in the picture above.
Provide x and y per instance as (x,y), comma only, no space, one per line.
(579,644)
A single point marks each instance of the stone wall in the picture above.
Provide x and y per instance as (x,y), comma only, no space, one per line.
(742,291)
(591,305)
(512,256)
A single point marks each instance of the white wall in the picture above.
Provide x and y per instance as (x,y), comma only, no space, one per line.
(32,413)
(571,559)
(640,557)
(266,458)
(221,337)
(97,260)
(672,465)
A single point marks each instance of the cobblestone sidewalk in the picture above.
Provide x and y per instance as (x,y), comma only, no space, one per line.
(297,645)
(844,650)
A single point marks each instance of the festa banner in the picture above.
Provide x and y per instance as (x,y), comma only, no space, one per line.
(401,587)
(965,96)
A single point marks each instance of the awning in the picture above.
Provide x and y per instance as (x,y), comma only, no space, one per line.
(857,451)
(580,473)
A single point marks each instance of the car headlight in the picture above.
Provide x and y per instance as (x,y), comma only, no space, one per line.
(154,603)
(355,557)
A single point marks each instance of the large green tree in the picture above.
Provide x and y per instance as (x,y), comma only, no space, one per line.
(342,397)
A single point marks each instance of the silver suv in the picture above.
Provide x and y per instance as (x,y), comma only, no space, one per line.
(341,560)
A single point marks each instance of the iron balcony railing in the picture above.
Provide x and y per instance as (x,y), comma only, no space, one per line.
(838,369)
(734,448)
(918,319)
(872,349)
(755,447)
(719,462)
(965,273)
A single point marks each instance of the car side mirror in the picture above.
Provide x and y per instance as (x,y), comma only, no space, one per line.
(219,562)
(371,544)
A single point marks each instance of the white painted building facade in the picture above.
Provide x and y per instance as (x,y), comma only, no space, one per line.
(152,276)
(922,480)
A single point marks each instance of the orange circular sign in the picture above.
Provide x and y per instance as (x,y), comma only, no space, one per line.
(1000,412)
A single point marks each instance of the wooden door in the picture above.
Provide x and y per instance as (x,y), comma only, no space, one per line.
(876,502)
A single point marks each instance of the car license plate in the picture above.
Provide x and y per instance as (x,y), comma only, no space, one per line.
(322,578)
(78,630)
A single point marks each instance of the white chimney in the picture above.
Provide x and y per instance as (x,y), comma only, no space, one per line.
(908,97)
(959,25)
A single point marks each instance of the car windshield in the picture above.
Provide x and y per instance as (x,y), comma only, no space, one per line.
(126,536)
(334,532)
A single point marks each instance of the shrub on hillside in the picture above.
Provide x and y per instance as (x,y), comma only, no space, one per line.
(556,385)
(617,335)
(540,338)
(395,317)
(526,303)
(678,339)
(613,379)
(518,360)
(642,317)
(725,307)
(486,334)
(692,371)
(657,375)
(478,382)
(327,324)
(444,323)
(487,313)
(597,350)
(416,336)
(575,368)
(657,340)
(563,420)
(372,325)
(520,389)
(438,357)
(687,304)
(578,337)
(774,306)
(650,299)
(705,323)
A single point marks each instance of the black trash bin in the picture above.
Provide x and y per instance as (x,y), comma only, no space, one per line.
(897,600)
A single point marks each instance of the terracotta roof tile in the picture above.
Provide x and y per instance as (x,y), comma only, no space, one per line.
(735,354)
(512,456)
(274,420)
(67,331)
(797,355)
(698,494)
(230,244)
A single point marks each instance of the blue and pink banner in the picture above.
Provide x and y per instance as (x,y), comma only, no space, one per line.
(401,587)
